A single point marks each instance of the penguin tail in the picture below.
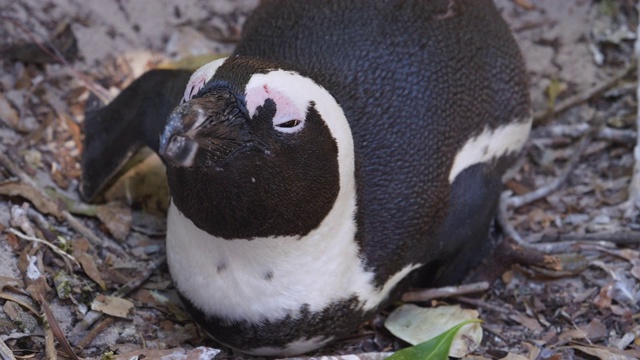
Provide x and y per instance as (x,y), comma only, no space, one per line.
(135,118)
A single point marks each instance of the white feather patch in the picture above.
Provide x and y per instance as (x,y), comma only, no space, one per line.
(490,144)
(270,278)
(200,77)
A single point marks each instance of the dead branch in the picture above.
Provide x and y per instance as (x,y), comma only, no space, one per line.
(87,339)
(5,352)
(71,220)
(540,116)
(54,248)
(92,316)
(484,305)
(55,328)
(623,136)
(52,51)
(444,292)
(633,203)
(528,198)
(620,238)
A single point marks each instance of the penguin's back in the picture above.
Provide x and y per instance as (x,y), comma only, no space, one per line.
(429,88)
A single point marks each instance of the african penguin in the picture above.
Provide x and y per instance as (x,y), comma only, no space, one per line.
(343,148)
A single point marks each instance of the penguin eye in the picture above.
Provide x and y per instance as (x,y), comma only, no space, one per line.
(289,124)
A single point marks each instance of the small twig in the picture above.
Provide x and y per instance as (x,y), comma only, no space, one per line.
(620,238)
(92,316)
(566,246)
(5,352)
(584,96)
(503,218)
(484,305)
(55,328)
(55,249)
(71,220)
(633,203)
(444,292)
(528,198)
(624,136)
(19,301)
(52,51)
(49,344)
(87,339)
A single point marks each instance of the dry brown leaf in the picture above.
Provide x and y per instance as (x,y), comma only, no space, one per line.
(603,299)
(7,113)
(5,352)
(90,268)
(42,203)
(602,353)
(512,356)
(10,281)
(530,323)
(635,271)
(595,330)
(572,335)
(54,327)
(525,4)
(112,305)
(116,216)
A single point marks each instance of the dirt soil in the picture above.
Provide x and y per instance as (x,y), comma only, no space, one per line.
(570,290)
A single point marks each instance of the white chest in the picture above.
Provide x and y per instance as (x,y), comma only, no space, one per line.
(271,278)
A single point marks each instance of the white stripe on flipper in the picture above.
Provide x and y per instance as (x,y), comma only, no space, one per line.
(489,145)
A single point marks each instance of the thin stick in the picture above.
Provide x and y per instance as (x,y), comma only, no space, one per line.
(52,51)
(5,352)
(584,96)
(485,305)
(444,292)
(71,220)
(92,316)
(55,328)
(528,198)
(633,202)
(55,249)
(620,238)
(87,339)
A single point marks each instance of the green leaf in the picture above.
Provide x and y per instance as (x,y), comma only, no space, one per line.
(436,348)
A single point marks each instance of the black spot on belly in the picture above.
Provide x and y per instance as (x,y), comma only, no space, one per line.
(222,267)
(268,275)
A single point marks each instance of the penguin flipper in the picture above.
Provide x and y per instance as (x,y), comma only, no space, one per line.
(135,118)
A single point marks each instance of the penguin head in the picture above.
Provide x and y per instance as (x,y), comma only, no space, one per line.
(256,150)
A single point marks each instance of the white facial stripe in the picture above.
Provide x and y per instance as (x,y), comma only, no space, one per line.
(286,108)
(289,84)
(489,145)
(200,77)
(293,94)
(269,278)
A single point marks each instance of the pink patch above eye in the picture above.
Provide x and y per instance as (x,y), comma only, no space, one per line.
(193,87)
(286,108)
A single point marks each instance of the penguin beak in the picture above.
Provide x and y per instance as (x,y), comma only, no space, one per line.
(206,131)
